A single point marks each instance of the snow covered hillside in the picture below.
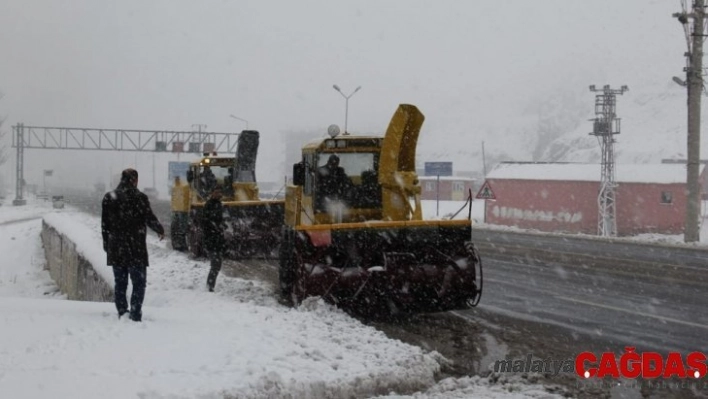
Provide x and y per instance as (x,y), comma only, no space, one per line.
(527,118)
(653,127)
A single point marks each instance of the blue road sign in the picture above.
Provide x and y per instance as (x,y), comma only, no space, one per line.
(438,168)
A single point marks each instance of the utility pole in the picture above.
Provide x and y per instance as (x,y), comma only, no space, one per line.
(199,128)
(484,161)
(437,196)
(153,170)
(19,135)
(605,126)
(484,178)
(694,32)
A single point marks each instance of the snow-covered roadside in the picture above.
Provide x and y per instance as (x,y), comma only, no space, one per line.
(237,342)
(34,209)
(21,272)
(433,210)
(192,343)
(649,238)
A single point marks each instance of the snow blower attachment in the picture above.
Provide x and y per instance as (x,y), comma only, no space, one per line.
(354,232)
(253,224)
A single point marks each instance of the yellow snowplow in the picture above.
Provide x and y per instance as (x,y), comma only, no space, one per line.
(253,224)
(362,241)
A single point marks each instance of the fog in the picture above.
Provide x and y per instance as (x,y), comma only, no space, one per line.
(470,66)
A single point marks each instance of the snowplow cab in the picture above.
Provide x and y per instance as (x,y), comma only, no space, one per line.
(354,232)
(253,224)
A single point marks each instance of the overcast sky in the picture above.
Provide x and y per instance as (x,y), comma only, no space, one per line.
(172,64)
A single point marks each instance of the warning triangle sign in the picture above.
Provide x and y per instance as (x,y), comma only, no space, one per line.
(486,192)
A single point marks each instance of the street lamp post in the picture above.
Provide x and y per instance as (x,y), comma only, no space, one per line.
(240,119)
(346,106)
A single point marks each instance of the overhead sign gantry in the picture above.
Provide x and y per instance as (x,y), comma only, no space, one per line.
(66,138)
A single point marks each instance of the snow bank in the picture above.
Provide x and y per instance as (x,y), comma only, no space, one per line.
(64,349)
(84,231)
(33,209)
(237,342)
(436,210)
(21,265)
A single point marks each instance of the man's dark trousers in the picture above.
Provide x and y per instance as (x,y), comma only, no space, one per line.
(138,276)
(215,259)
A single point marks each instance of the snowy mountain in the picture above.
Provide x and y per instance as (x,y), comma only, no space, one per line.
(653,127)
(539,109)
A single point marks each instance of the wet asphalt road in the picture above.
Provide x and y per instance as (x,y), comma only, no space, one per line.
(647,312)
(650,297)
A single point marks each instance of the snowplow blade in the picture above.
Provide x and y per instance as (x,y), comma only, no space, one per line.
(253,229)
(415,266)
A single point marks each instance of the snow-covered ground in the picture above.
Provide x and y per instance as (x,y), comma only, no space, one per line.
(678,238)
(237,342)
(443,210)
(446,209)
(8,212)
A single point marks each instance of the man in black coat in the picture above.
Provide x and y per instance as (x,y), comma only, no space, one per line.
(213,229)
(125,214)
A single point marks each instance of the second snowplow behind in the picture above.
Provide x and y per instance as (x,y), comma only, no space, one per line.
(253,224)
(362,240)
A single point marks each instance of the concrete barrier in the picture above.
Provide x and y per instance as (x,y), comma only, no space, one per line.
(73,273)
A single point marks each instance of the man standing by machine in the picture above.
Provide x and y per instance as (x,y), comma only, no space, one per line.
(213,229)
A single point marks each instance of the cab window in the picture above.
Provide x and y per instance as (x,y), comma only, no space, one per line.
(353,163)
